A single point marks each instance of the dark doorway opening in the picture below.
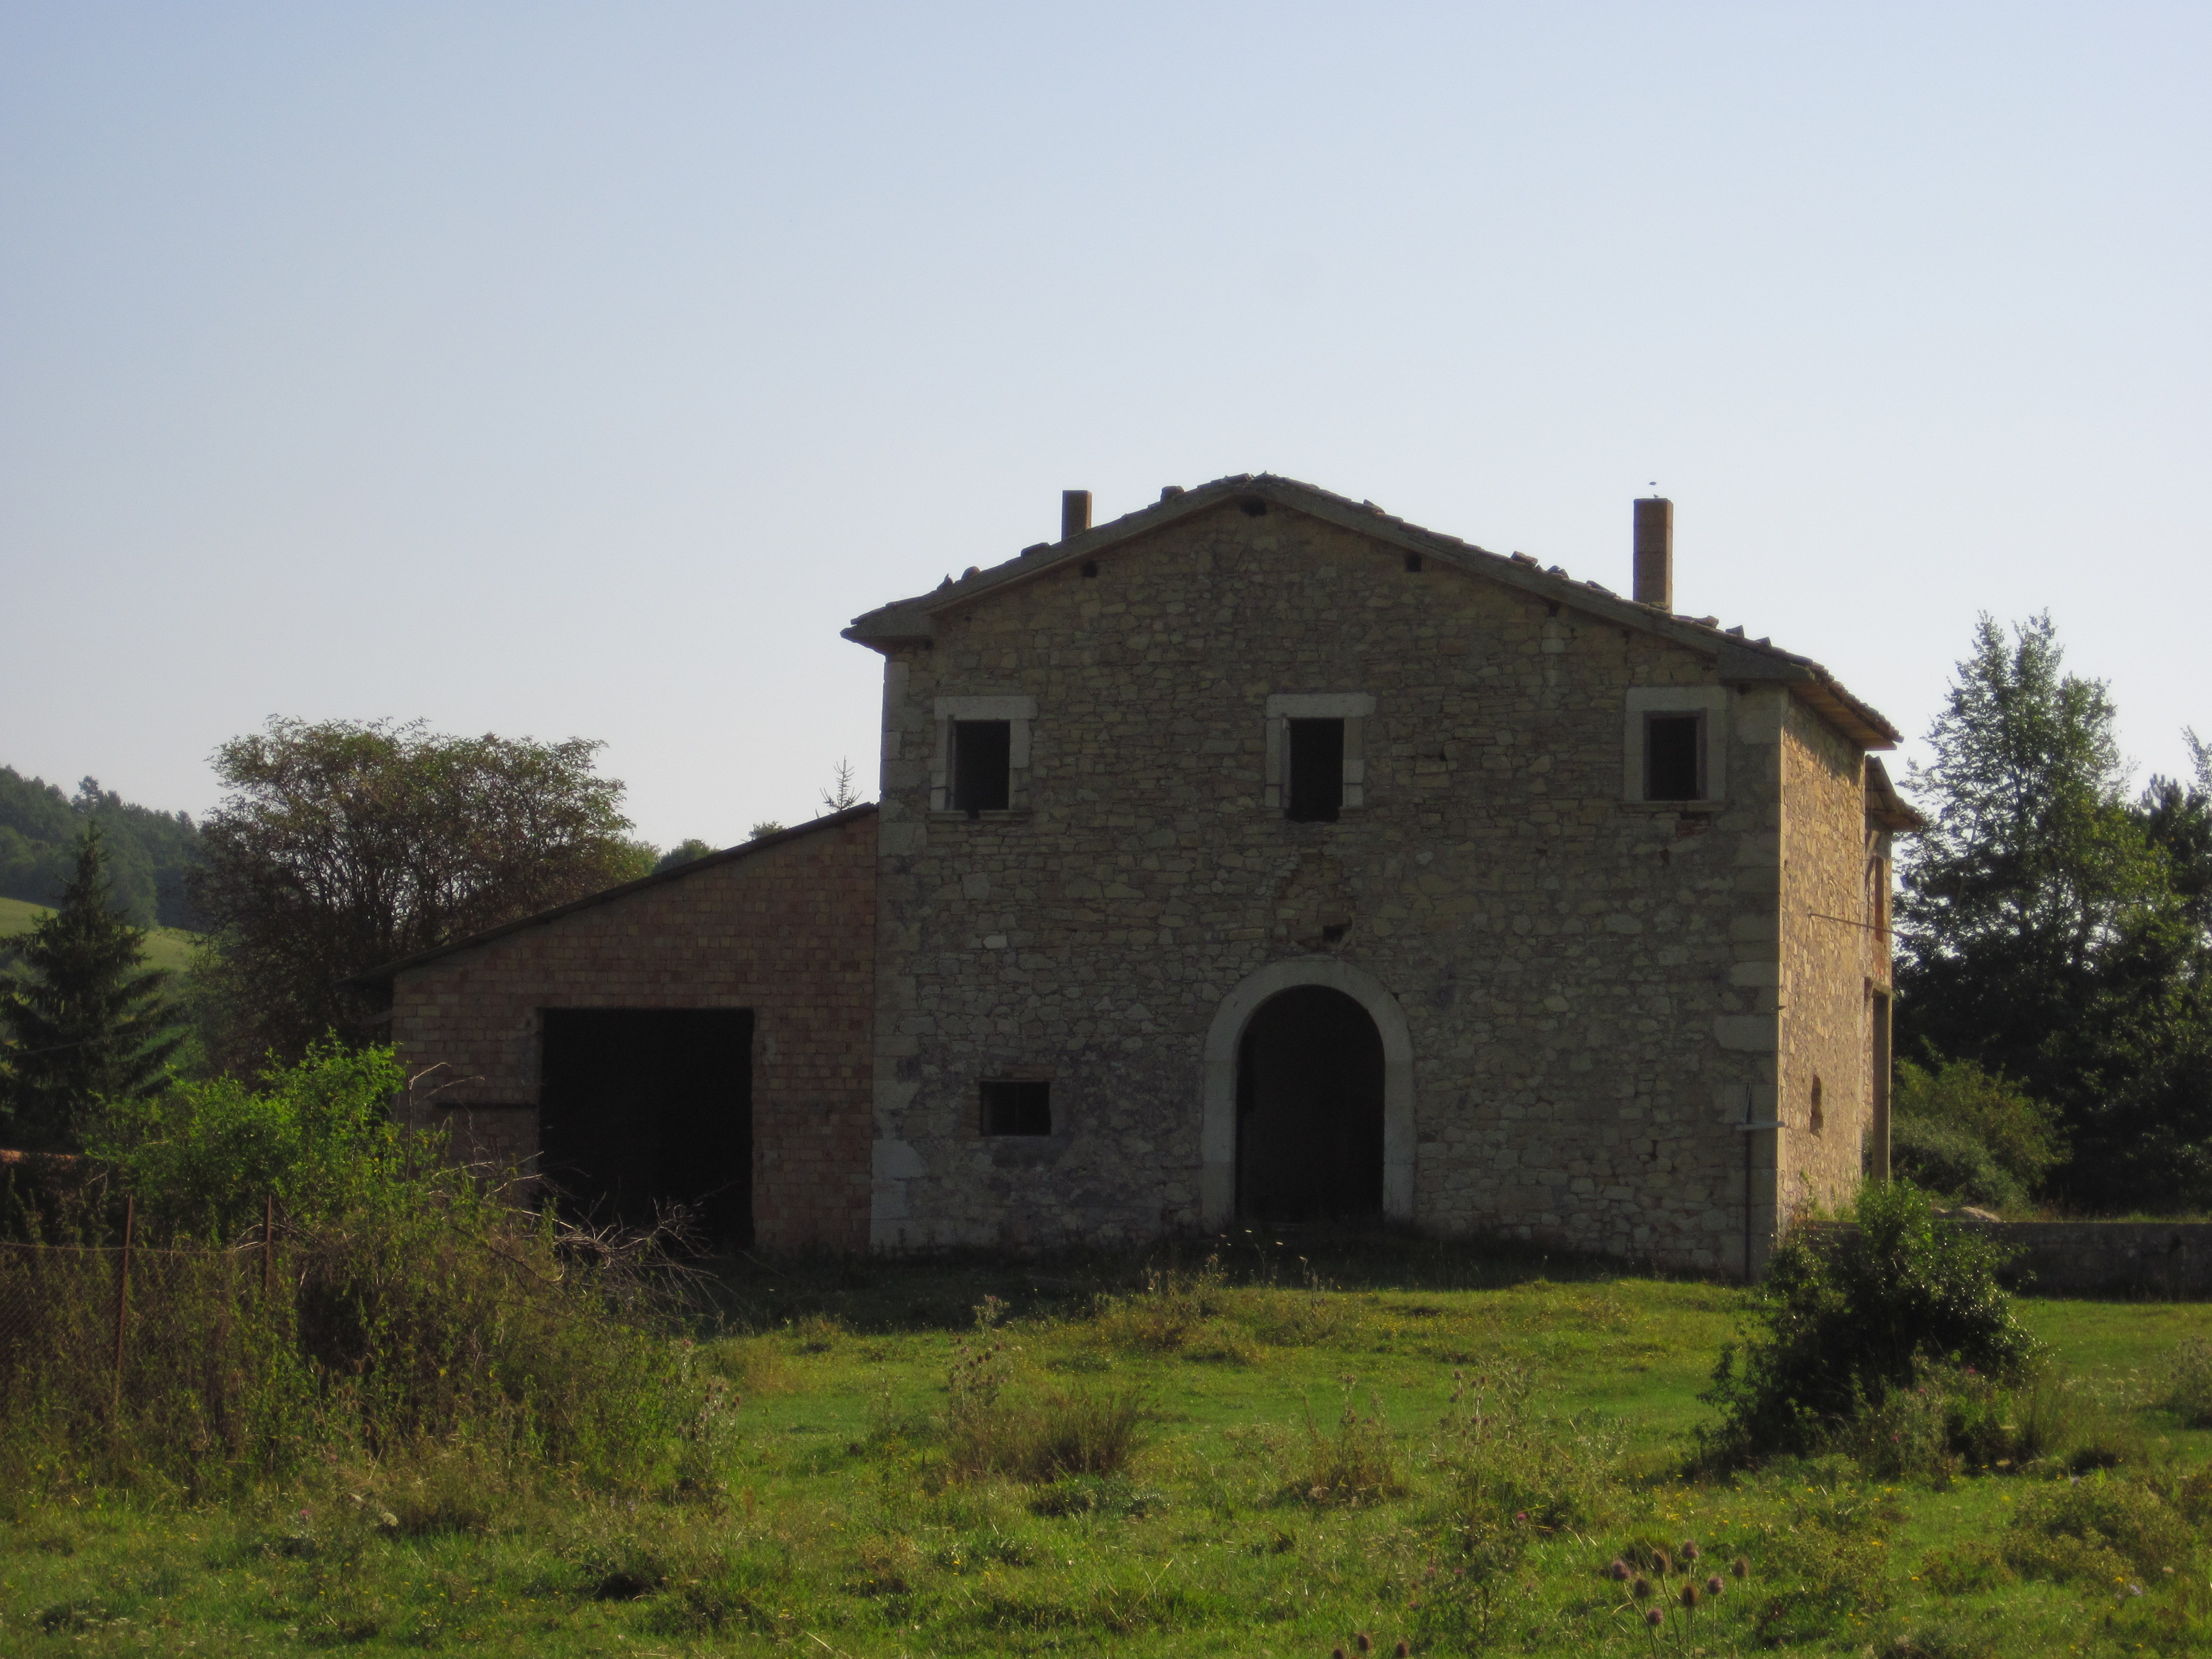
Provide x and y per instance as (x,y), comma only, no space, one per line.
(1309,1110)
(640,1109)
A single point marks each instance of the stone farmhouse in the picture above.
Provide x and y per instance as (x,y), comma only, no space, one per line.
(1255,858)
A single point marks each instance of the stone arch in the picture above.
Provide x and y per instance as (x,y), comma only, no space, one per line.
(1218,1123)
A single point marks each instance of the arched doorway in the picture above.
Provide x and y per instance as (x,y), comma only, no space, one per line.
(1225,1044)
(1310,1075)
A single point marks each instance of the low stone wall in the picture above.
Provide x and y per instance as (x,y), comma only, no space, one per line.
(2164,1259)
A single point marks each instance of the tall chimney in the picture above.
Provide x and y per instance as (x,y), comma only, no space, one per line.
(1655,552)
(1074,513)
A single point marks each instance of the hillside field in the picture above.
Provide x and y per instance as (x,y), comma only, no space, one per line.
(1297,1477)
(166,947)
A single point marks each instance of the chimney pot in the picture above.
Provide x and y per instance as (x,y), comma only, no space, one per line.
(1655,552)
(1074,513)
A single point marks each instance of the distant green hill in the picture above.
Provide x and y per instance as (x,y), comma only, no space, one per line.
(148,852)
(166,947)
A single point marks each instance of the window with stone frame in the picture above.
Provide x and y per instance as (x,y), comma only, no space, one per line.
(1316,765)
(1017,1106)
(1674,746)
(982,758)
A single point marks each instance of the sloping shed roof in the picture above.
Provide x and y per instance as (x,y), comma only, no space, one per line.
(375,977)
(1738,659)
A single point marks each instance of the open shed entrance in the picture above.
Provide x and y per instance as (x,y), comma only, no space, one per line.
(1309,1110)
(640,1109)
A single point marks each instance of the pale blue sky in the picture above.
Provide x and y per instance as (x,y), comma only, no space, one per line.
(583,369)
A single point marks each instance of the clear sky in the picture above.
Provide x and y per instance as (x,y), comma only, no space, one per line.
(580,369)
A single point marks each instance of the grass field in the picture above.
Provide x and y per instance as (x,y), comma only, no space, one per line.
(166,947)
(838,1503)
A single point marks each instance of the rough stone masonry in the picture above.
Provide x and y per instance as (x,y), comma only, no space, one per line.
(1655,1028)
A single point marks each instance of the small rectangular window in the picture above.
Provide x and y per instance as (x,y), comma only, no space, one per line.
(1674,757)
(1317,767)
(1016,1107)
(983,766)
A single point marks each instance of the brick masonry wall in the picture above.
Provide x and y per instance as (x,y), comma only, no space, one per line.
(786,930)
(1591,988)
(1832,956)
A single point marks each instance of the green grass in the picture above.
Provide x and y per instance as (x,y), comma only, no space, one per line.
(828,1517)
(166,947)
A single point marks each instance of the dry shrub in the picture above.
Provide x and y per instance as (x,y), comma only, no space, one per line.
(1174,1308)
(1004,1419)
(1511,1463)
(1355,1463)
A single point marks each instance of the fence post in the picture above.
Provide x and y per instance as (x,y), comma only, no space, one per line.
(268,1246)
(123,1292)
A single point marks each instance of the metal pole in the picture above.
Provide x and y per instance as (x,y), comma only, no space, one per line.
(122,1291)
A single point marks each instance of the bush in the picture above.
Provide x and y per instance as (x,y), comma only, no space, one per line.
(2097,1529)
(1953,1161)
(1850,1314)
(1968,1134)
(1356,1464)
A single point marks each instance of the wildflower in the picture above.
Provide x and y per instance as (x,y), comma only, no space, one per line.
(1740,1567)
(1659,1562)
(1716,1585)
(1689,1550)
(1617,1572)
(1654,1618)
(1366,1644)
(1403,1650)
(1690,1596)
(1641,1589)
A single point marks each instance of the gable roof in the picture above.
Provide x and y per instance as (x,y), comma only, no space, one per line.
(374,977)
(909,621)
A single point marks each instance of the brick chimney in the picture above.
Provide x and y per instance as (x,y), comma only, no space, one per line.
(1655,552)
(1074,513)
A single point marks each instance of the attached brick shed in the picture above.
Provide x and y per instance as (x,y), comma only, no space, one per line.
(662,1034)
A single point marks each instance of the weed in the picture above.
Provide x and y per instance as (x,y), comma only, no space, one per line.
(2188,1392)
(1966,1568)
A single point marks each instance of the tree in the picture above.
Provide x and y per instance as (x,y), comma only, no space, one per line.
(2047,927)
(87,1024)
(684,852)
(344,845)
(841,794)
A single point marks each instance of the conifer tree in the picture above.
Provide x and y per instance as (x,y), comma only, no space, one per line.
(85,1023)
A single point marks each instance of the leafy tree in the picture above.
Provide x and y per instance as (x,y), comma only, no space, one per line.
(2055,932)
(766,827)
(683,852)
(1967,1132)
(87,1022)
(343,845)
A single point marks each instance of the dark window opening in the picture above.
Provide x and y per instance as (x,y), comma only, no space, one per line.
(983,766)
(641,1110)
(1016,1107)
(1414,564)
(1309,1110)
(1091,567)
(1674,757)
(1316,766)
(1255,506)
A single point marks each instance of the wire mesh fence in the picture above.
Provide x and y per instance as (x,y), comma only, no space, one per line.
(189,1343)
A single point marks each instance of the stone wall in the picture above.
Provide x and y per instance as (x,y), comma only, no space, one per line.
(785,927)
(1832,957)
(1589,987)
(2162,1258)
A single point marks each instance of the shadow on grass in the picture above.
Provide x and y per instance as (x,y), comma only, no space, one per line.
(939,1291)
